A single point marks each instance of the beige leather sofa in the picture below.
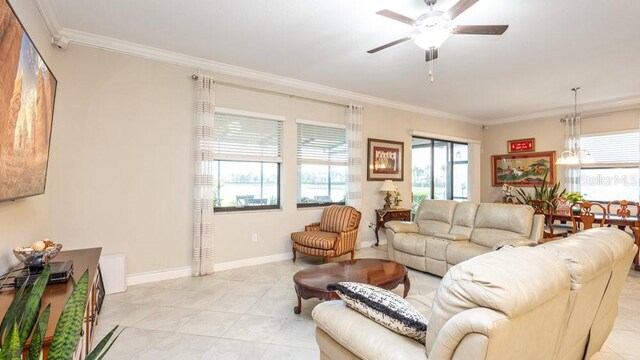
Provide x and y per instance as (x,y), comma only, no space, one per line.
(446,232)
(554,301)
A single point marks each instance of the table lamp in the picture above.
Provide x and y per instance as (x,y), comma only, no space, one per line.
(389,188)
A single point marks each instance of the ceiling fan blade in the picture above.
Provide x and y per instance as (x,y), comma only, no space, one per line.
(460,7)
(395,16)
(431,55)
(399,41)
(480,29)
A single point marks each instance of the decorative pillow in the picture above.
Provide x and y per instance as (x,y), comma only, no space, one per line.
(383,307)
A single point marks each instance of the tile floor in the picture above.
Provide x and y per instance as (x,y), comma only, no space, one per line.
(248,314)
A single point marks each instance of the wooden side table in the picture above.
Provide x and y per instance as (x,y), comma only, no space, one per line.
(384,215)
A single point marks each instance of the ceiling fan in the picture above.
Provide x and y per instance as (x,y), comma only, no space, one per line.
(434,27)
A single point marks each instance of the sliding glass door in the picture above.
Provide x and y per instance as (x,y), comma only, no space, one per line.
(439,170)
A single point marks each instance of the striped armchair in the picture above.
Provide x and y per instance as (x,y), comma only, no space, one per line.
(334,235)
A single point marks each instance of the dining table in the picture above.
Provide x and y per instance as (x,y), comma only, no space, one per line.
(622,222)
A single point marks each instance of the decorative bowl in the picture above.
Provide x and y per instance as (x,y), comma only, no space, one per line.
(37,259)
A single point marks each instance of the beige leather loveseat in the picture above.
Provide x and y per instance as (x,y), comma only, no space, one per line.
(554,301)
(446,232)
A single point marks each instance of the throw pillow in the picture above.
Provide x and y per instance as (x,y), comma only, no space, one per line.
(383,307)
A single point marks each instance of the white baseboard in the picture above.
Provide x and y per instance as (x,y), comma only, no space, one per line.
(366,244)
(168,274)
(159,275)
(252,261)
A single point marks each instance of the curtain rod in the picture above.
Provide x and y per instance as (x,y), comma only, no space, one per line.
(291,96)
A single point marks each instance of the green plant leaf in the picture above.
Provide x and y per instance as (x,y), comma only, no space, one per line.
(13,348)
(67,333)
(97,353)
(32,306)
(35,348)
(15,308)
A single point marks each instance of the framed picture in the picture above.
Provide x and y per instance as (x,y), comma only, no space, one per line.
(521,145)
(523,169)
(385,160)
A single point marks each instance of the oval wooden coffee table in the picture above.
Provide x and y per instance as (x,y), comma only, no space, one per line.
(312,282)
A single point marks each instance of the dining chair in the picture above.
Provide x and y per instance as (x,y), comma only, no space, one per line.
(546,208)
(562,206)
(586,216)
(623,207)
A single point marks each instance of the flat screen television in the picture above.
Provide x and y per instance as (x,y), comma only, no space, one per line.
(27,96)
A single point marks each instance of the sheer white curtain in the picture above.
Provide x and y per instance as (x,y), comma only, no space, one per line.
(353,122)
(204,197)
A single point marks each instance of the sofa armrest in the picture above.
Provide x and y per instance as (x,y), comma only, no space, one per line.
(521,242)
(537,228)
(312,227)
(363,337)
(454,237)
(402,226)
(449,342)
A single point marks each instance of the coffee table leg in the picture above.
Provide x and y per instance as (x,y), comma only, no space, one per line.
(407,285)
(298,309)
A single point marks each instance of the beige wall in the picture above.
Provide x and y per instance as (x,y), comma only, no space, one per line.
(120,174)
(549,135)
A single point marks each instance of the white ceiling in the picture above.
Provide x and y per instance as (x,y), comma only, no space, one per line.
(550,47)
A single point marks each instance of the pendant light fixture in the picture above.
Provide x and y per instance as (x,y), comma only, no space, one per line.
(573,154)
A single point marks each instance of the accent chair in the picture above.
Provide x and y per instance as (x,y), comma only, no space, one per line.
(334,235)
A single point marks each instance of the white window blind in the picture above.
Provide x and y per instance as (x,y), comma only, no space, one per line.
(321,145)
(243,137)
(621,149)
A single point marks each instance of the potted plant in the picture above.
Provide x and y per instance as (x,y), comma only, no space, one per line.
(546,192)
(23,320)
(574,197)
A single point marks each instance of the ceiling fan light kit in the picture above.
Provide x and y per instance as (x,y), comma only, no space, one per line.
(434,27)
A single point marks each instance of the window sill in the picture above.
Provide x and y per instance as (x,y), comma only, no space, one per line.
(317,205)
(248,211)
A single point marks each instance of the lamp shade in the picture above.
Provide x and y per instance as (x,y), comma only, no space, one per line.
(387,186)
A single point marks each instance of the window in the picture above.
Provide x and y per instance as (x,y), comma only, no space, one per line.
(614,175)
(439,170)
(248,153)
(322,164)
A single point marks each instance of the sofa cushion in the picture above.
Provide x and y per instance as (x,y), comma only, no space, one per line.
(437,248)
(459,251)
(383,307)
(337,218)
(464,219)
(410,243)
(435,216)
(511,281)
(315,239)
(499,222)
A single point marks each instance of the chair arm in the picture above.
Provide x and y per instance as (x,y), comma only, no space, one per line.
(312,227)
(346,241)
(454,237)
(521,242)
(402,226)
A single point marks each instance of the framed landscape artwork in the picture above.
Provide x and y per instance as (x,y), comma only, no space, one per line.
(385,160)
(523,169)
(27,94)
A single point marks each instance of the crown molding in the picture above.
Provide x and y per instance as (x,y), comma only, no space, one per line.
(147,52)
(49,15)
(588,109)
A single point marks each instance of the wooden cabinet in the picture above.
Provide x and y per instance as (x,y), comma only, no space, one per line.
(57,295)
(384,215)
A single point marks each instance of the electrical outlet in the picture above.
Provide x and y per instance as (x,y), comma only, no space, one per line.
(254,237)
